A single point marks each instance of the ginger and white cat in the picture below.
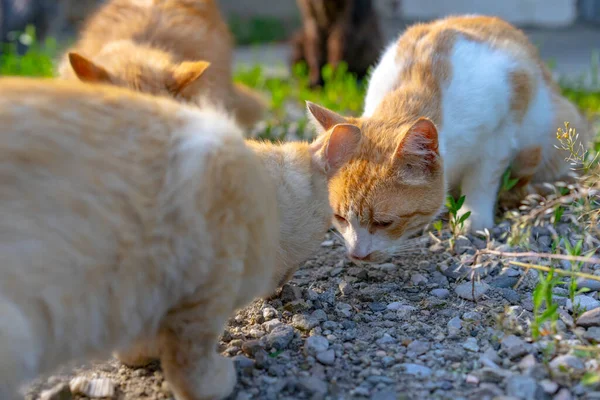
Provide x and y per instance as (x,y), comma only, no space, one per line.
(163,47)
(131,222)
(452,103)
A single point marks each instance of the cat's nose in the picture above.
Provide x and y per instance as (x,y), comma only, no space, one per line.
(360,256)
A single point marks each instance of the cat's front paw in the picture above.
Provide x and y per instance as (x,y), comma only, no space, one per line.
(216,382)
(138,355)
(478,221)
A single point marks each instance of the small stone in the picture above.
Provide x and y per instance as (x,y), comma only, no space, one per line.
(375,306)
(290,293)
(437,248)
(592,334)
(165,387)
(471,345)
(269,326)
(280,337)
(583,303)
(344,309)
(472,291)
(58,392)
(418,347)
(471,316)
(388,361)
(388,267)
(514,347)
(567,367)
(527,363)
(304,322)
(590,284)
(395,306)
(312,384)
(522,387)
(336,271)
(319,315)
(441,293)
(548,386)
(326,357)
(327,243)
(404,311)
(510,295)
(269,313)
(346,289)
(418,279)
(492,355)
(99,387)
(563,394)
(439,278)
(589,318)
(386,394)
(511,273)
(242,362)
(454,325)
(250,347)
(385,339)
(504,282)
(315,345)
(494,375)
(472,380)
(416,369)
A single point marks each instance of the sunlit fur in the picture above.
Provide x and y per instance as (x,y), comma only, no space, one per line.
(126,218)
(492,102)
(140,43)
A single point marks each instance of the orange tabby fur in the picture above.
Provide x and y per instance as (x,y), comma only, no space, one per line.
(141,44)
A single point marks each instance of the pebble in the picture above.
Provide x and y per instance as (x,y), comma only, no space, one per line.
(504,282)
(510,295)
(522,387)
(327,243)
(563,394)
(386,394)
(471,316)
(416,369)
(315,345)
(472,380)
(589,318)
(404,311)
(591,284)
(280,337)
(269,313)
(344,309)
(99,387)
(418,347)
(471,345)
(514,347)
(592,334)
(567,367)
(345,288)
(304,322)
(418,279)
(326,357)
(290,293)
(454,325)
(376,306)
(243,362)
(583,303)
(395,306)
(385,339)
(58,392)
(549,386)
(313,384)
(472,291)
(270,325)
(441,293)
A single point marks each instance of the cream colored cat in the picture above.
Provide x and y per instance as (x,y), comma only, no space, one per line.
(125,217)
(129,221)
(452,103)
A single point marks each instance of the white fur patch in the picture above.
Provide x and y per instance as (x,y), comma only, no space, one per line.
(384,79)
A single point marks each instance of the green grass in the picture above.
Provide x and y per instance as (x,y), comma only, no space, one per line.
(256,30)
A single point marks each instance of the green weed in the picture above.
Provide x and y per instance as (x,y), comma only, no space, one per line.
(456,221)
(544,307)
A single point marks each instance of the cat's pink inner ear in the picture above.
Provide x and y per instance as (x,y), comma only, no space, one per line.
(420,140)
(188,72)
(322,118)
(334,149)
(86,70)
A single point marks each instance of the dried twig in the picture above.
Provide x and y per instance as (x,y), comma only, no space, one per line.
(591,260)
(556,270)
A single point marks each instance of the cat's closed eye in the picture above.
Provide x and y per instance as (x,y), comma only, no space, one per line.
(381,224)
(340,219)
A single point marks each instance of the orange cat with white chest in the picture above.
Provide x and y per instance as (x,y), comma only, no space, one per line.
(176,48)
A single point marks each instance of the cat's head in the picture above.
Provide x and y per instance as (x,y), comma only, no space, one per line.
(144,70)
(391,188)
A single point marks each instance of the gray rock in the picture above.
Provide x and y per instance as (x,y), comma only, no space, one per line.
(58,392)
(271,325)
(567,367)
(395,306)
(98,387)
(523,387)
(504,282)
(510,295)
(439,278)
(511,273)
(404,311)
(494,375)
(312,384)
(346,288)
(326,357)
(418,279)
(472,291)
(589,318)
(290,293)
(592,334)
(388,267)
(385,339)
(386,394)
(591,284)
(454,325)
(376,306)
(416,369)
(441,293)
(269,313)
(319,315)
(471,316)
(304,322)
(471,345)
(388,361)
(563,394)
(418,347)
(243,362)
(280,337)
(583,303)
(549,386)
(315,345)
(344,309)
(514,347)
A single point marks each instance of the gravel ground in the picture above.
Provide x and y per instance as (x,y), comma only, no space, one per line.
(405,329)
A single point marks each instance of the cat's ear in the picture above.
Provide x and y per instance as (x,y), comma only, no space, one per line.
(86,70)
(333,149)
(417,156)
(187,73)
(322,118)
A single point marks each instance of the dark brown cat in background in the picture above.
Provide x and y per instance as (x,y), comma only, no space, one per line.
(335,31)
